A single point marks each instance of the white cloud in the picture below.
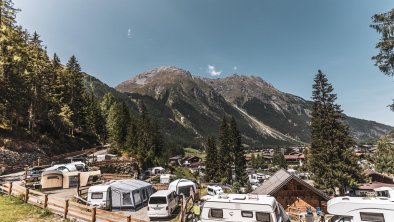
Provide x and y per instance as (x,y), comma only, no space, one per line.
(212,70)
(129,32)
(235,68)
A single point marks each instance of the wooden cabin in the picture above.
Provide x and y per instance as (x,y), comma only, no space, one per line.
(293,193)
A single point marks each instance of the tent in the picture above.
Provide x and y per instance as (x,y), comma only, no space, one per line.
(130,194)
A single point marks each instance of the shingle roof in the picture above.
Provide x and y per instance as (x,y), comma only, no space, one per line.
(281,178)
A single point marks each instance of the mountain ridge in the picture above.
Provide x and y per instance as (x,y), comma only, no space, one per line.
(196,106)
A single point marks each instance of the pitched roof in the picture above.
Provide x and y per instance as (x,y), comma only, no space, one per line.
(281,178)
(369,172)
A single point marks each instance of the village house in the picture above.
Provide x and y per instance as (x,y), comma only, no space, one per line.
(191,159)
(293,193)
(375,180)
(175,161)
(296,159)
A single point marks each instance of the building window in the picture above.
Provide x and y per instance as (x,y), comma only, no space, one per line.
(248,214)
(216,213)
(375,217)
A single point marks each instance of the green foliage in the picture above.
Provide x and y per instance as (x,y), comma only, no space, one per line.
(51,98)
(278,159)
(384,157)
(238,153)
(224,153)
(330,158)
(211,161)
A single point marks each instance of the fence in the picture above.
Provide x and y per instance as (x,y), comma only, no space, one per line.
(65,208)
(110,176)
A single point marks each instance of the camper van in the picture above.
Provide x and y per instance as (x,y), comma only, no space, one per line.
(123,194)
(182,186)
(214,190)
(357,209)
(243,207)
(162,203)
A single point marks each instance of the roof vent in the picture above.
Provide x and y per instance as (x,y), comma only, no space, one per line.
(253,196)
(239,198)
(346,198)
(223,196)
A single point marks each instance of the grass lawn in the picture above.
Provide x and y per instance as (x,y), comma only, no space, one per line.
(13,209)
(194,152)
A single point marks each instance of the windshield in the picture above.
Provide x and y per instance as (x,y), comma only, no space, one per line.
(158,200)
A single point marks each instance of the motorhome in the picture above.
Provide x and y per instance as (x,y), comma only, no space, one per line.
(182,186)
(123,194)
(214,190)
(357,209)
(242,207)
(162,204)
(71,167)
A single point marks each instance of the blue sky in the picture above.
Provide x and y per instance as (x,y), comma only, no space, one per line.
(284,42)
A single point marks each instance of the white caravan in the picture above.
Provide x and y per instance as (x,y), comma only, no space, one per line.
(162,204)
(357,209)
(182,186)
(243,207)
(214,190)
(100,196)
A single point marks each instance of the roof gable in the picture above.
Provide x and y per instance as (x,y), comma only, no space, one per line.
(281,178)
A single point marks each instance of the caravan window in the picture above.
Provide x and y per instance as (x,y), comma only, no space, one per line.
(248,214)
(375,217)
(53,177)
(264,217)
(126,199)
(97,195)
(216,213)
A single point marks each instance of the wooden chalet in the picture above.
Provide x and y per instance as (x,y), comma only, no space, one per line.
(293,193)
(375,180)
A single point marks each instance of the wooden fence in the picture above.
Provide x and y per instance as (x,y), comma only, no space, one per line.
(65,208)
(110,176)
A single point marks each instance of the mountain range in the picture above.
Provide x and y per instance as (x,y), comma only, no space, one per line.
(189,108)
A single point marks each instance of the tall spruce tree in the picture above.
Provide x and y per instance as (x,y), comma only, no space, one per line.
(384,157)
(331,160)
(211,160)
(224,154)
(383,24)
(238,154)
(117,124)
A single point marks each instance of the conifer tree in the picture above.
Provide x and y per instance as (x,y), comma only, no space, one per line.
(331,160)
(237,153)
(117,124)
(211,160)
(224,153)
(384,157)
(278,159)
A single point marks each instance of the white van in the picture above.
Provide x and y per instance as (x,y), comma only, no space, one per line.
(182,186)
(162,203)
(357,209)
(243,207)
(214,190)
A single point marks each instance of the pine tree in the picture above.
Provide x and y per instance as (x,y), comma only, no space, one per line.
(211,161)
(237,153)
(278,159)
(117,125)
(384,157)
(330,160)
(224,153)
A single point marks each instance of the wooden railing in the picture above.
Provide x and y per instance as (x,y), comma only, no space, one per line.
(110,176)
(63,207)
